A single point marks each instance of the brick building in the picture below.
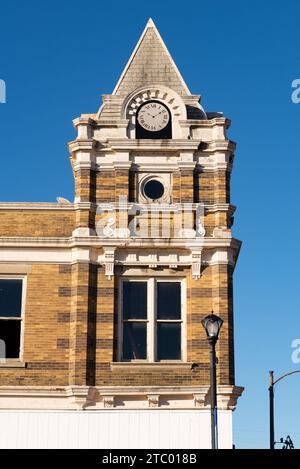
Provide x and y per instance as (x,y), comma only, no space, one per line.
(101,300)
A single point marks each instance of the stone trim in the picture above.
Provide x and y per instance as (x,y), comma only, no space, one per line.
(149,366)
(15,269)
(36,206)
(12,363)
(115,397)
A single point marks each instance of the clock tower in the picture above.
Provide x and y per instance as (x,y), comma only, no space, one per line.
(152,171)
(102,298)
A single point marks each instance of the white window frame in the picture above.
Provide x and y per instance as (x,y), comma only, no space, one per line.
(152,318)
(21,319)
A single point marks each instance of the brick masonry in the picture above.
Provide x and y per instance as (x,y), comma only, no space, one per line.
(70,325)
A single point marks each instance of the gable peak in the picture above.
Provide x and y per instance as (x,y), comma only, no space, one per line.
(150,63)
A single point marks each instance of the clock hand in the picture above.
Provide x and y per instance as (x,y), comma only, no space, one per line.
(157,114)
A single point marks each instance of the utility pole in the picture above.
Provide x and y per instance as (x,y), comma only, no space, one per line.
(271,399)
(272,383)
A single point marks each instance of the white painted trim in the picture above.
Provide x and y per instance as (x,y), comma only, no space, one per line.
(11,258)
(151,366)
(122,397)
(36,206)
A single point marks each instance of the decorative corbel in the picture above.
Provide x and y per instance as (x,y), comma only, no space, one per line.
(173,261)
(109,261)
(153,261)
(153,400)
(199,400)
(196,264)
(108,402)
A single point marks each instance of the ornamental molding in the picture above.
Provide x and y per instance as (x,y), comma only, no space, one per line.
(196,264)
(108,402)
(160,93)
(199,400)
(116,397)
(56,244)
(153,400)
(109,261)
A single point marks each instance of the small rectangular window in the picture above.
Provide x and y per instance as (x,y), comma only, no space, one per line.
(10,298)
(168,341)
(135,341)
(168,321)
(11,291)
(134,320)
(134,300)
(168,300)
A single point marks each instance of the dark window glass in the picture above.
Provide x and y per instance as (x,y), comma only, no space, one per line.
(10,298)
(168,300)
(168,341)
(154,189)
(135,341)
(10,334)
(134,300)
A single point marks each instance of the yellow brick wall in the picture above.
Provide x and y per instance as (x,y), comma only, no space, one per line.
(70,330)
(212,187)
(45,329)
(46,223)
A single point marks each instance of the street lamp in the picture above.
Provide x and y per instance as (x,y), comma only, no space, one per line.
(212,325)
(272,383)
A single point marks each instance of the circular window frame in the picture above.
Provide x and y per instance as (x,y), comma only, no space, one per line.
(154,177)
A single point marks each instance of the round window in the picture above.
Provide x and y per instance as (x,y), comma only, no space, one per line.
(154,189)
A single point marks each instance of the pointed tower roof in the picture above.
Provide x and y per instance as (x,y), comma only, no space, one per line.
(149,64)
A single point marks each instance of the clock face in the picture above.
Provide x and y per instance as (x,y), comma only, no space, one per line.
(153,116)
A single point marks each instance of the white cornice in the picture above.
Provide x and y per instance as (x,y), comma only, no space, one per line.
(104,206)
(97,242)
(35,206)
(82,145)
(107,397)
(165,145)
(217,121)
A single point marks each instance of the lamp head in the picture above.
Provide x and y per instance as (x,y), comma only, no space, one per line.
(212,325)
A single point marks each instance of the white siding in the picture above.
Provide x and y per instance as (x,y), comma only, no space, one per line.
(112,429)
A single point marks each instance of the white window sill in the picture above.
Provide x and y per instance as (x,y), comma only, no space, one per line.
(150,365)
(12,363)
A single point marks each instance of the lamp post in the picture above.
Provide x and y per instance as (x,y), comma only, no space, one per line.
(272,383)
(212,325)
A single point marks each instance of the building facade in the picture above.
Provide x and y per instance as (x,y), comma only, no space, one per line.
(101,300)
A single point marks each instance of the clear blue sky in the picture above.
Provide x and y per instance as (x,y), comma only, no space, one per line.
(57,58)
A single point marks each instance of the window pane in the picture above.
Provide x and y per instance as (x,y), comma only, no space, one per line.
(135,300)
(135,341)
(10,298)
(168,300)
(10,334)
(168,341)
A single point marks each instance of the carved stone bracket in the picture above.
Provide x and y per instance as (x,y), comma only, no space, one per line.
(153,261)
(199,400)
(228,398)
(109,261)
(108,402)
(153,400)
(196,264)
(79,397)
(173,261)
